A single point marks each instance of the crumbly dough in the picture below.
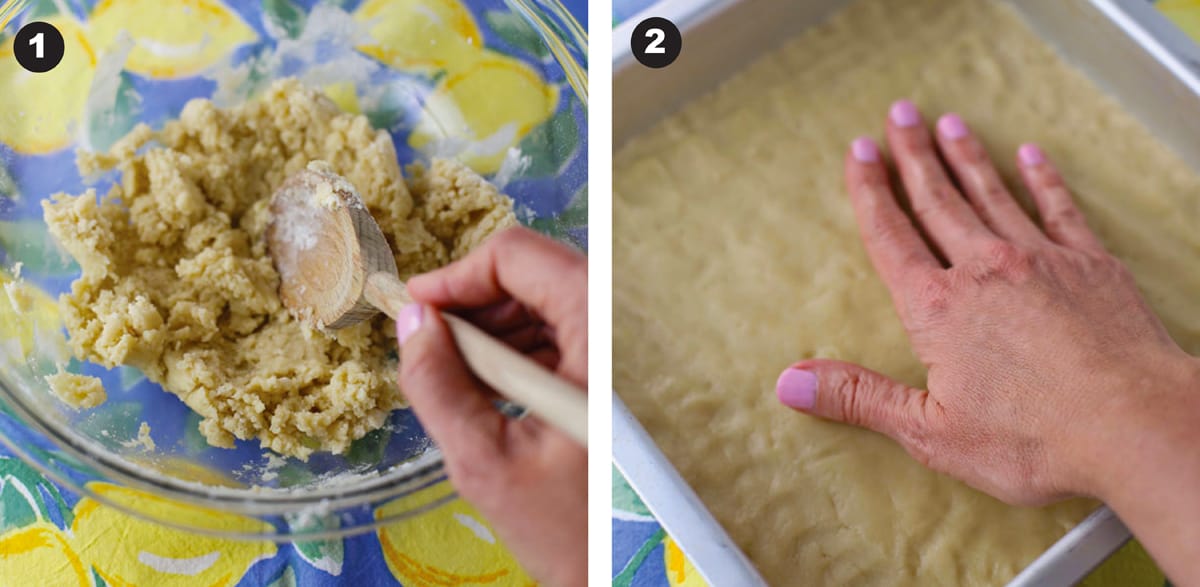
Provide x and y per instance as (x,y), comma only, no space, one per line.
(143,440)
(78,391)
(176,279)
(736,253)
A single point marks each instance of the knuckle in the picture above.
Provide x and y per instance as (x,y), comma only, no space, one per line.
(1048,180)
(885,229)
(1114,267)
(937,201)
(848,390)
(1064,217)
(973,154)
(919,436)
(943,193)
(1004,258)
(933,294)
(994,192)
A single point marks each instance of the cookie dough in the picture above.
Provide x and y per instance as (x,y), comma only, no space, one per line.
(736,253)
(77,391)
(143,441)
(176,280)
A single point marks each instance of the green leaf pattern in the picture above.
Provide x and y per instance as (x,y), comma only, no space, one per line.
(572,219)
(23,494)
(553,144)
(111,122)
(283,16)
(8,186)
(287,578)
(516,31)
(626,503)
(326,555)
(29,242)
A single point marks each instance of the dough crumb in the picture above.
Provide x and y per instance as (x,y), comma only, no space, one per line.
(18,296)
(176,280)
(143,440)
(78,391)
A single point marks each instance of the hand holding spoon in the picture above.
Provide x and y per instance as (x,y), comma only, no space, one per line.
(336,269)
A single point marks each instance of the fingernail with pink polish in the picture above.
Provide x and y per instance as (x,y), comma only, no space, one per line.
(408,322)
(904,114)
(1030,155)
(952,127)
(797,388)
(864,150)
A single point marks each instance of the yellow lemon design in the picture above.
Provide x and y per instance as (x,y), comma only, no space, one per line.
(1185,13)
(450,546)
(126,550)
(490,106)
(680,572)
(173,39)
(40,109)
(345,96)
(30,317)
(41,550)
(421,34)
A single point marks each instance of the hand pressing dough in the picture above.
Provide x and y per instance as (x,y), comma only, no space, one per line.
(176,279)
(736,253)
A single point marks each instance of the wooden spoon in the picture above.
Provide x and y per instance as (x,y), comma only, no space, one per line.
(336,269)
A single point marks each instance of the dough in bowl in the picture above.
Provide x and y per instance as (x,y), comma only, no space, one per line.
(176,280)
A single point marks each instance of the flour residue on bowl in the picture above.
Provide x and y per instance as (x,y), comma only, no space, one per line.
(322,54)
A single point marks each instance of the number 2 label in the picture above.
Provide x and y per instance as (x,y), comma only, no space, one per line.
(655,46)
(656,42)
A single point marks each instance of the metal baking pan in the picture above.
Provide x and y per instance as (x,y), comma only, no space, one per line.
(1125,46)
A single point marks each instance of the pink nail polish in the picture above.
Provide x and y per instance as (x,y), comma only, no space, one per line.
(904,114)
(408,322)
(797,388)
(952,127)
(864,150)
(1030,155)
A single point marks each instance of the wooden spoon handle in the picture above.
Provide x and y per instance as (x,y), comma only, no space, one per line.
(512,374)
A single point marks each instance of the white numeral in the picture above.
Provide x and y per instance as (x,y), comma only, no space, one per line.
(39,41)
(655,46)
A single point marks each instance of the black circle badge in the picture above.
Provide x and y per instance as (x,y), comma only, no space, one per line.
(656,42)
(38,47)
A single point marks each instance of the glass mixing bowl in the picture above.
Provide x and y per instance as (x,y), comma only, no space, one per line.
(500,84)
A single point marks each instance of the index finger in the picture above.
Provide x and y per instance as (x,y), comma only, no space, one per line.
(548,277)
(895,247)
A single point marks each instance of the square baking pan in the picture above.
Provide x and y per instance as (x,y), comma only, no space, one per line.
(1126,47)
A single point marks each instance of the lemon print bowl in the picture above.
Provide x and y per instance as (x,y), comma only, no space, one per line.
(498,84)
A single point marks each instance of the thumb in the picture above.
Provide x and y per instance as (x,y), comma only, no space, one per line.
(845,392)
(450,403)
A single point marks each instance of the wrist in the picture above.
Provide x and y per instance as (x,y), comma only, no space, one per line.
(1142,416)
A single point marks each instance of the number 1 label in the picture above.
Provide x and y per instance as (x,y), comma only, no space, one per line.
(39,41)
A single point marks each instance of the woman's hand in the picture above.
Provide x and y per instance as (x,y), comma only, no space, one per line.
(528,479)
(1048,374)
